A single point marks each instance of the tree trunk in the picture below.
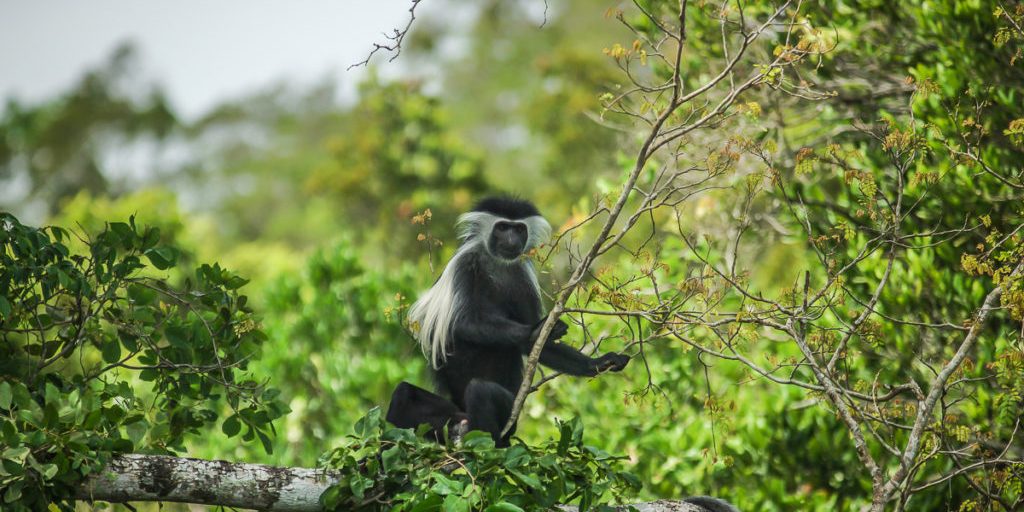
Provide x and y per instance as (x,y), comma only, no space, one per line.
(136,477)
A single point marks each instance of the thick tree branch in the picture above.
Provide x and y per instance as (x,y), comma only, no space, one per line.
(135,477)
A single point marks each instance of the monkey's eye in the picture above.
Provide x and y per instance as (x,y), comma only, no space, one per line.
(517,227)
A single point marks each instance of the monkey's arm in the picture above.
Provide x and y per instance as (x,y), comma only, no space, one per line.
(566,359)
(497,329)
(493,329)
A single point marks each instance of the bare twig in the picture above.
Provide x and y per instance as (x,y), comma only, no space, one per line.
(395,39)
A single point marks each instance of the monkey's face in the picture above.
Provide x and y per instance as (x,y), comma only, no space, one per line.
(508,239)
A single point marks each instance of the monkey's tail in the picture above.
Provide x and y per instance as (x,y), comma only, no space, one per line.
(711,504)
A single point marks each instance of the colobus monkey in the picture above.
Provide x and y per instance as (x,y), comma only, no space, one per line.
(478,321)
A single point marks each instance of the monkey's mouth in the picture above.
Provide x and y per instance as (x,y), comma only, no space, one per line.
(507,253)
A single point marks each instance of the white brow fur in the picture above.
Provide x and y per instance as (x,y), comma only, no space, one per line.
(439,307)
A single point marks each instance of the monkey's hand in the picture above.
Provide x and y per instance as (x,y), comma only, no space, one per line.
(557,331)
(611,362)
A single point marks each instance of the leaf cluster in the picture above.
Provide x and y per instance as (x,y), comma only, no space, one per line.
(383,467)
(100,355)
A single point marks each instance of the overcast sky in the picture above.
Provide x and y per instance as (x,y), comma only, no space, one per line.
(202,51)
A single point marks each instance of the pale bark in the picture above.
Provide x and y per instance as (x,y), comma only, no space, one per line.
(162,478)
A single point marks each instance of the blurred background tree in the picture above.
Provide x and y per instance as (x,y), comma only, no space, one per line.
(63,146)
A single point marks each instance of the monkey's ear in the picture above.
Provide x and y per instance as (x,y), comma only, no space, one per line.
(472,224)
(539,230)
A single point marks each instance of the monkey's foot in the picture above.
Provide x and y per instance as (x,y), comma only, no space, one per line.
(457,431)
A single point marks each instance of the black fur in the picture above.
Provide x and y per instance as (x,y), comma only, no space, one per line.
(503,316)
(508,207)
(412,406)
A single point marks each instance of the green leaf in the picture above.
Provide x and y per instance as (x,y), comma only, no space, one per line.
(22,398)
(516,455)
(150,238)
(162,258)
(48,471)
(63,278)
(16,453)
(177,336)
(455,503)
(114,413)
(368,423)
(112,351)
(141,295)
(430,503)
(359,485)
(13,493)
(137,430)
(531,481)
(123,231)
(52,395)
(331,498)
(504,506)
(268,446)
(477,439)
(444,486)
(390,457)
(231,426)
(631,480)
(8,430)
(235,282)
(5,395)
(5,307)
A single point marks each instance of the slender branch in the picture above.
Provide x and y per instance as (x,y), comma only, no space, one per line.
(581,269)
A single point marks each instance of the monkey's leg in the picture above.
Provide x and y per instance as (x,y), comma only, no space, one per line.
(489,407)
(412,406)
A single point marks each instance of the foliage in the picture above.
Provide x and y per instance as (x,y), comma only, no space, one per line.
(339,348)
(408,145)
(101,355)
(383,467)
